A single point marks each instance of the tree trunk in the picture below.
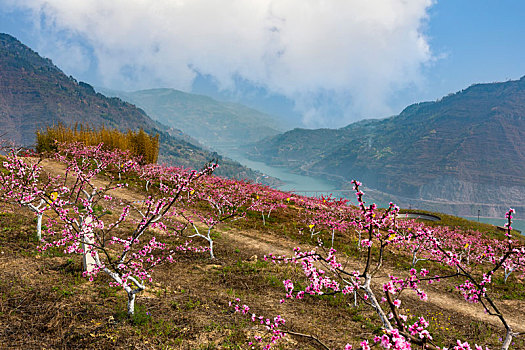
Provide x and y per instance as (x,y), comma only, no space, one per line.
(39,226)
(508,340)
(88,239)
(375,304)
(131,303)
(211,249)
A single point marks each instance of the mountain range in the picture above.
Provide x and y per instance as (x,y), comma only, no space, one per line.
(35,93)
(462,153)
(216,124)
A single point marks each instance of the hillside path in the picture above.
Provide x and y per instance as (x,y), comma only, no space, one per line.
(513,310)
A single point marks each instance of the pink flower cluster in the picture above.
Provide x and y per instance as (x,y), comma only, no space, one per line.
(272,326)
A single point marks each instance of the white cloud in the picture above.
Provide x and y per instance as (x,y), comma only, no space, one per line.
(351,54)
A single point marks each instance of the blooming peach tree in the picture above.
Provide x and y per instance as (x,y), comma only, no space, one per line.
(20,183)
(91,219)
(224,200)
(472,270)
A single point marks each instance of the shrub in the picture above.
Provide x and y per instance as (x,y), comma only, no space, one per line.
(140,144)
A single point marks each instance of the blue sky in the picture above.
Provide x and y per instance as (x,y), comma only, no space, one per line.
(312,65)
(483,41)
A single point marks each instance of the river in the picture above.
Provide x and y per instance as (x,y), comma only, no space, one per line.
(309,186)
(296,183)
(516,224)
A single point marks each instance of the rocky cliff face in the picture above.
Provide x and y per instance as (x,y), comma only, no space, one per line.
(466,198)
(455,190)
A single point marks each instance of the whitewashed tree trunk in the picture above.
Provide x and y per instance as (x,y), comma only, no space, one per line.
(508,271)
(39,226)
(130,291)
(207,237)
(375,304)
(39,214)
(88,240)
(131,303)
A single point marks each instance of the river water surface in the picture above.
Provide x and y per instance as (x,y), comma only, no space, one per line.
(309,186)
(296,183)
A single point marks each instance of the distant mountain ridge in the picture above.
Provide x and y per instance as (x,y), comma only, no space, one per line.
(35,93)
(214,123)
(467,148)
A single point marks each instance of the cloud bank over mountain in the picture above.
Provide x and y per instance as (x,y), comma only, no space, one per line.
(337,60)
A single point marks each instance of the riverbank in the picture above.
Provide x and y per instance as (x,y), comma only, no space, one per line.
(311,186)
